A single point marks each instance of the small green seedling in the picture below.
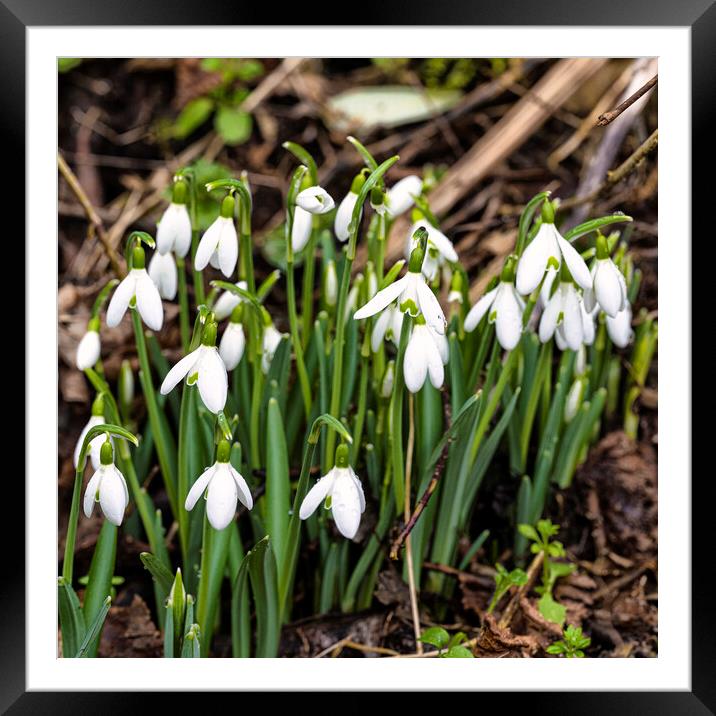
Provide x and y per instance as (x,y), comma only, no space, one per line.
(503,581)
(572,645)
(450,647)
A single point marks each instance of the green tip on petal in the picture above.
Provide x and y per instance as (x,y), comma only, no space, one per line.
(342,455)
(508,270)
(548,212)
(223,451)
(179,192)
(236,314)
(98,405)
(227,206)
(208,337)
(138,257)
(106,453)
(602,247)
(357,183)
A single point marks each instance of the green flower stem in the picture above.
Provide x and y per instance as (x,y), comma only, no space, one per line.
(163,440)
(188,407)
(199,296)
(309,268)
(256,391)
(362,397)
(295,338)
(395,431)
(337,383)
(183,304)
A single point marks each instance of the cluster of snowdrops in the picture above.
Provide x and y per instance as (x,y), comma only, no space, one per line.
(370,367)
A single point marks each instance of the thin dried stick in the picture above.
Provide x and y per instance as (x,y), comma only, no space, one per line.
(608,117)
(92,216)
(512,606)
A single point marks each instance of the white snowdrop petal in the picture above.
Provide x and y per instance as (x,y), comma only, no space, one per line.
(345,504)
(166,230)
(88,350)
(533,262)
(178,372)
(548,321)
(91,492)
(315,200)
(430,307)
(442,243)
(559,338)
(149,302)
(344,215)
(221,497)
(546,290)
(232,345)
(379,329)
(163,272)
(607,287)
(95,449)
(436,370)
(228,249)
(316,495)
(182,236)
(402,195)
(301,230)
(572,324)
(120,299)
(575,263)
(112,495)
(242,488)
(213,381)
(382,299)
(359,487)
(619,328)
(207,245)
(476,313)
(587,325)
(415,362)
(509,317)
(198,488)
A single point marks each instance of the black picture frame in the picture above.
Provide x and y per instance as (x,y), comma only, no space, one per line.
(699,15)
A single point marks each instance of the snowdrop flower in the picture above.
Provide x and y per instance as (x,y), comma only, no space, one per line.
(223,486)
(378,201)
(227,302)
(315,200)
(609,287)
(588,330)
(402,195)
(455,294)
(89,347)
(342,486)
(546,247)
(220,244)
(270,343)
(174,228)
(301,229)
(505,308)
(330,284)
(108,487)
(345,209)
(412,293)
(139,286)
(619,327)
(386,385)
(233,342)
(426,354)
(97,418)
(574,399)
(352,299)
(387,326)
(440,248)
(205,367)
(163,271)
(563,313)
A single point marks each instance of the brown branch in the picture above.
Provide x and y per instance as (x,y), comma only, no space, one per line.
(608,117)
(512,606)
(615,176)
(422,503)
(92,216)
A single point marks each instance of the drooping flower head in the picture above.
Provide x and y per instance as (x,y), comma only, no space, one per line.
(619,328)
(88,350)
(223,486)
(204,367)
(563,315)
(310,202)
(220,244)
(233,342)
(138,290)
(174,228)
(343,493)
(107,486)
(163,271)
(549,244)
(609,286)
(505,307)
(227,302)
(270,343)
(401,196)
(97,418)
(426,355)
(439,248)
(345,208)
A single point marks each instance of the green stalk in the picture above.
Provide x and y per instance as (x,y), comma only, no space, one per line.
(199,296)
(395,438)
(309,268)
(183,304)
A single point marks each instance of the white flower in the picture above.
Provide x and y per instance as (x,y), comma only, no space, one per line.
(347,499)
(212,380)
(163,271)
(587,324)
(619,327)
(315,200)
(108,487)
(387,325)
(330,284)
(88,349)
(344,215)
(232,345)
(220,245)
(402,195)
(426,354)
(548,243)
(507,309)
(386,385)
(574,400)
(227,302)
(413,295)
(270,343)
(174,230)
(137,284)
(223,486)
(439,248)
(609,291)
(564,310)
(301,229)
(95,445)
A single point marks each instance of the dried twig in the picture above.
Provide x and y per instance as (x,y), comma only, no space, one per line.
(608,117)
(92,216)
(514,602)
